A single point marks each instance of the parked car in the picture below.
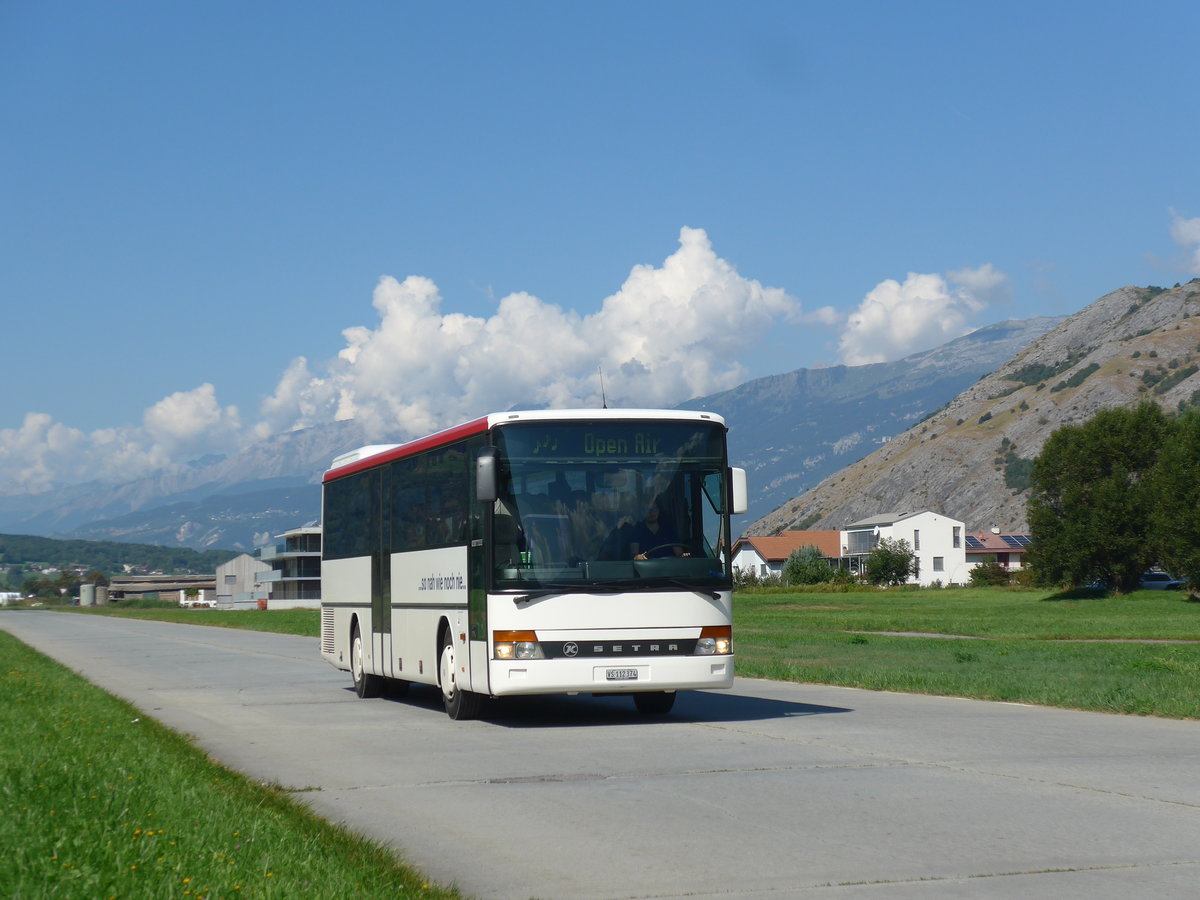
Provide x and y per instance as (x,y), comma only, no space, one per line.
(1159,581)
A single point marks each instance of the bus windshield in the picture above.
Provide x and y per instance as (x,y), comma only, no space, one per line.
(609,503)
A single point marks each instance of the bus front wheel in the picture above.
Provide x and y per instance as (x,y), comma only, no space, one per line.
(365,685)
(459,703)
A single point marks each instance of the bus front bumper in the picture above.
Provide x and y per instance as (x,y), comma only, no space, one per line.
(609,676)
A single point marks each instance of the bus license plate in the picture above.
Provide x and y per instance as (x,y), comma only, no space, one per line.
(621,674)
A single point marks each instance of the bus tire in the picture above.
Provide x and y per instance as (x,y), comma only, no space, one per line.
(365,685)
(460,704)
(654,703)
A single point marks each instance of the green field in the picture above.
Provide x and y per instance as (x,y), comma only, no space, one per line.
(102,801)
(1137,653)
(281,621)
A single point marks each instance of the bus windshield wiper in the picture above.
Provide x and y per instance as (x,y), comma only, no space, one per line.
(547,590)
(679,582)
(660,581)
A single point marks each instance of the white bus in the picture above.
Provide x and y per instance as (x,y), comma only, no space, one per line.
(559,551)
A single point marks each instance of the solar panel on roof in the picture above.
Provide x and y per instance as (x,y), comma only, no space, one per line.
(1016,540)
(973,543)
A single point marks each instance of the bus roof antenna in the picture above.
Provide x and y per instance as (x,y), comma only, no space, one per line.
(603,399)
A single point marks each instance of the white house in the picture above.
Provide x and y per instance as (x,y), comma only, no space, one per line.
(294,579)
(937,541)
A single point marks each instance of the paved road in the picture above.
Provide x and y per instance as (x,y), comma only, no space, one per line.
(769,791)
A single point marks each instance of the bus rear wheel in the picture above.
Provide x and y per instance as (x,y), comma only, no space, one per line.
(459,703)
(654,703)
(365,685)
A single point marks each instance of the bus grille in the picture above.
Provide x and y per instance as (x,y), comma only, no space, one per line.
(327,641)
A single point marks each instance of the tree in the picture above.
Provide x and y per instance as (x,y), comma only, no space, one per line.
(989,572)
(1176,492)
(891,562)
(807,565)
(1091,503)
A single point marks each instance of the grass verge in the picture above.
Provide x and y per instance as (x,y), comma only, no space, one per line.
(284,621)
(1094,652)
(102,801)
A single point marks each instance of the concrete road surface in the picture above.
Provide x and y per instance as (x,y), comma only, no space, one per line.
(768,791)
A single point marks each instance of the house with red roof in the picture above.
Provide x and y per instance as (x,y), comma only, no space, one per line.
(1007,549)
(765,556)
(944,552)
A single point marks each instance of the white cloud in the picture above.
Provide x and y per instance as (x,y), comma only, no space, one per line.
(31,454)
(1186,233)
(895,320)
(826,315)
(191,422)
(43,454)
(669,333)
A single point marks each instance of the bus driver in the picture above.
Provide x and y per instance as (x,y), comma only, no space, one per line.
(652,537)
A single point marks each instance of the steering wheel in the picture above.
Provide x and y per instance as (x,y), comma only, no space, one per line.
(646,553)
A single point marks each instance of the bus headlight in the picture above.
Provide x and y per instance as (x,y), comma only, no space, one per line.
(716,640)
(516,645)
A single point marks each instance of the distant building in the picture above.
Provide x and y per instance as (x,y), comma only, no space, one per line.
(1006,549)
(944,551)
(239,582)
(765,556)
(294,579)
(937,541)
(186,590)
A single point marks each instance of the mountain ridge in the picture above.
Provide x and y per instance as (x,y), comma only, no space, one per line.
(242,501)
(966,459)
(804,425)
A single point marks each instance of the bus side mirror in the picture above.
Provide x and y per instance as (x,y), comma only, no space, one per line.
(485,475)
(739,498)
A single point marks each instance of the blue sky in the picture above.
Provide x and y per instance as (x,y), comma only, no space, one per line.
(199,200)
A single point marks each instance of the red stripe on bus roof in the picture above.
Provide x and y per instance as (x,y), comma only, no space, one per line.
(449,436)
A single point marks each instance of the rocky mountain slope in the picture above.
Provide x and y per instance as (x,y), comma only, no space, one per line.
(970,460)
(790,431)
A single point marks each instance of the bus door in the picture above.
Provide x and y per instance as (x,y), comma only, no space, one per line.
(478,554)
(381,573)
